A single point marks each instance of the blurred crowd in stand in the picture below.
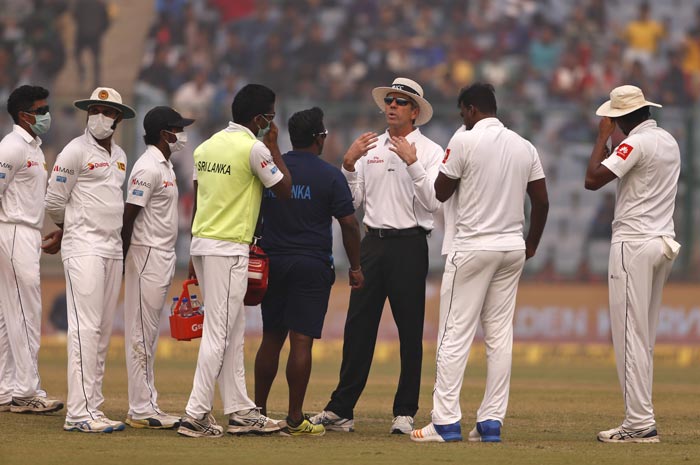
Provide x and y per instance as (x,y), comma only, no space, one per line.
(552,63)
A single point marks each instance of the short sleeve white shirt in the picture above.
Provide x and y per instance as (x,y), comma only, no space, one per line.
(85,195)
(648,164)
(494,166)
(152,186)
(22,179)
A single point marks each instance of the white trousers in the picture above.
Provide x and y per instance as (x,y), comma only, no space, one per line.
(147,279)
(20,312)
(92,291)
(476,286)
(638,272)
(223,282)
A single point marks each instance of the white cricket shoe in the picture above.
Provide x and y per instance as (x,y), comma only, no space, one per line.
(157,421)
(35,404)
(88,426)
(438,433)
(5,406)
(251,421)
(204,428)
(620,434)
(115,424)
(403,424)
(332,422)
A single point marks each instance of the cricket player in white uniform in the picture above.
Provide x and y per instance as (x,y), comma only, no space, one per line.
(22,189)
(149,235)
(489,169)
(85,199)
(231,169)
(642,251)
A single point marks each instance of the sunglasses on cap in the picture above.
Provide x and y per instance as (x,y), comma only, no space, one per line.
(38,111)
(402,102)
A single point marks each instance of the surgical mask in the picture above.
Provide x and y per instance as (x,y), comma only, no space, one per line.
(180,143)
(263,131)
(100,126)
(42,124)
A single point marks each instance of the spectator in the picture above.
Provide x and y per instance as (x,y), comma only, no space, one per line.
(91,22)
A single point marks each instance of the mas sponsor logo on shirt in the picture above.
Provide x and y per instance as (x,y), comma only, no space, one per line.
(447,155)
(211,167)
(7,166)
(60,169)
(121,166)
(624,150)
(263,164)
(139,182)
(102,164)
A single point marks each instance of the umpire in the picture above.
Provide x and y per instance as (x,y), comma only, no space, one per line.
(392,176)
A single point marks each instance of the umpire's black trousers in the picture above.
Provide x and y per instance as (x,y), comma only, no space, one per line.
(394,266)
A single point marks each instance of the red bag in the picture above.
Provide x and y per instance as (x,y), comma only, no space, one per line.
(258,272)
(186,328)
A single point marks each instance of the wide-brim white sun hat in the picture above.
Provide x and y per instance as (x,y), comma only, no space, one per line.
(624,100)
(410,89)
(108,97)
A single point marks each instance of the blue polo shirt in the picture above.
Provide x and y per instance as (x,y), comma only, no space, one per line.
(302,225)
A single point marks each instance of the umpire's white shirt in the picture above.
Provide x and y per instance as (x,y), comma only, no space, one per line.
(22,179)
(85,195)
(648,163)
(494,166)
(152,186)
(394,195)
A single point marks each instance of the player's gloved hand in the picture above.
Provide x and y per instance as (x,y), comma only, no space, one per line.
(54,242)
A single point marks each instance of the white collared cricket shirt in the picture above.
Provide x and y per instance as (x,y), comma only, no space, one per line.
(85,195)
(22,179)
(648,164)
(152,186)
(494,166)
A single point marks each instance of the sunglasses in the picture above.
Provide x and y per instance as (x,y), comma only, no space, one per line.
(402,102)
(38,111)
(323,134)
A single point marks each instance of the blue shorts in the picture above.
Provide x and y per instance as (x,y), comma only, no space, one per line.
(297,294)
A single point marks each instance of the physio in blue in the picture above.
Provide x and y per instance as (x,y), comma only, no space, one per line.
(297,236)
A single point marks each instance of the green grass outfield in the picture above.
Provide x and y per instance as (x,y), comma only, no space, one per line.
(559,399)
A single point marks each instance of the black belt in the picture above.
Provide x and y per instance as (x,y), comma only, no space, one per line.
(384,233)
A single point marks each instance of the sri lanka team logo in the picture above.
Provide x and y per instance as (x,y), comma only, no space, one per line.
(447,155)
(624,150)
(121,166)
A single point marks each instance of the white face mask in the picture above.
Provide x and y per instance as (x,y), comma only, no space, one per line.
(100,126)
(180,143)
